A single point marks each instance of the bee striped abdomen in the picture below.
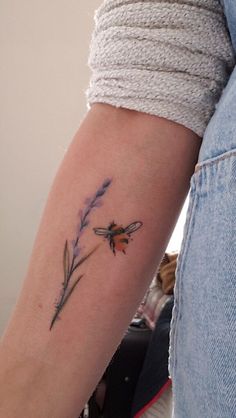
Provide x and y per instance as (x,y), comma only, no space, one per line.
(121,241)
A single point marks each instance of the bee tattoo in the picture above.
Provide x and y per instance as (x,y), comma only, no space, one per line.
(118,236)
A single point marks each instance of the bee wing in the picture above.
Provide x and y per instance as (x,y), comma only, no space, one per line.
(133,227)
(102,231)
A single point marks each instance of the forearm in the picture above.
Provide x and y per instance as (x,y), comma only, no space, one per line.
(144,164)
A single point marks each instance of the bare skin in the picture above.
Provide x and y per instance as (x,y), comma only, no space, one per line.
(51,373)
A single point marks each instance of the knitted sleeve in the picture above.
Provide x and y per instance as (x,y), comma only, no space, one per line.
(170,58)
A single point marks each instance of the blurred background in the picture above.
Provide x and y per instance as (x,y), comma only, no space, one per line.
(43,77)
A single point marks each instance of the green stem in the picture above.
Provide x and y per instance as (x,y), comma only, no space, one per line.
(62,303)
(65,296)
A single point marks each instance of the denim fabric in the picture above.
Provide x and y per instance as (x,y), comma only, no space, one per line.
(229,7)
(202,361)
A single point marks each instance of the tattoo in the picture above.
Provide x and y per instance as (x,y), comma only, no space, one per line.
(118,238)
(71,256)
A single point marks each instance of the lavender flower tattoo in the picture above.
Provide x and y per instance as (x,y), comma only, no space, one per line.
(72,259)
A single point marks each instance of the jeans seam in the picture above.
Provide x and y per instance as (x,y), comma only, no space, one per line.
(181,263)
(215,160)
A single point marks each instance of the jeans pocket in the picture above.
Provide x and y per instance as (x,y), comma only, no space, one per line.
(214,160)
(209,176)
(203,332)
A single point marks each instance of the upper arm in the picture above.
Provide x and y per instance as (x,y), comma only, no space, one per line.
(167,58)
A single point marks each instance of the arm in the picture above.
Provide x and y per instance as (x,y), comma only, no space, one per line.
(52,373)
(174,72)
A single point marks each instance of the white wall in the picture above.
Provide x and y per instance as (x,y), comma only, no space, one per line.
(43,77)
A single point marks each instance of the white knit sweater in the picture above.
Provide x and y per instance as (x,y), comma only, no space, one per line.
(170,58)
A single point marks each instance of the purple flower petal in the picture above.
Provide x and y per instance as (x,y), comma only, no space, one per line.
(100,192)
(85,224)
(80,232)
(88,201)
(76,251)
(86,212)
(106,183)
(98,204)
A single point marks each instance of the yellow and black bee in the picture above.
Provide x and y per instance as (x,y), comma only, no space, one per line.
(118,236)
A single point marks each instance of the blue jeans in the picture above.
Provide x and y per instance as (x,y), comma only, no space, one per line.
(202,361)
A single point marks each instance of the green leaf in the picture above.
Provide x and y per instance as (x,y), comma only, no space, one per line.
(66,261)
(59,309)
(67,275)
(85,257)
(71,290)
